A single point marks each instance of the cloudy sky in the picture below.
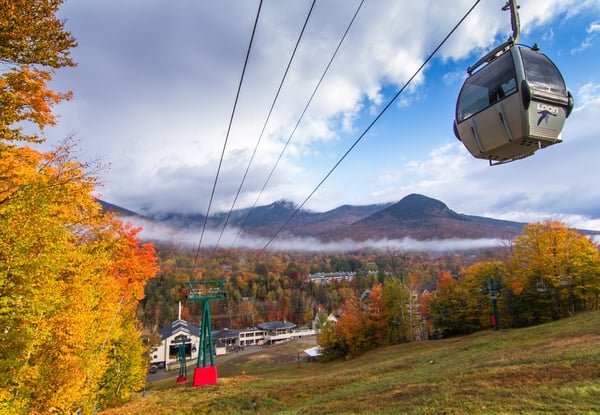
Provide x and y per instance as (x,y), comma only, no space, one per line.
(156,83)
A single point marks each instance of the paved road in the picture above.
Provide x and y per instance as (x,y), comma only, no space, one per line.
(304,343)
(163,374)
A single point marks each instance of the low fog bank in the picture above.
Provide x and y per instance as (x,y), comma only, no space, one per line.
(232,238)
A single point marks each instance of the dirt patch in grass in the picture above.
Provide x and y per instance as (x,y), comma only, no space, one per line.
(414,391)
(510,380)
(559,374)
(574,341)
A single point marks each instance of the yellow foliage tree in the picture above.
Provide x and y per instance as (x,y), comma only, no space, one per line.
(70,274)
(555,271)
(70,280)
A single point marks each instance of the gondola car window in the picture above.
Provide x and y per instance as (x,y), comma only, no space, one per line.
(486,87)
(541,73)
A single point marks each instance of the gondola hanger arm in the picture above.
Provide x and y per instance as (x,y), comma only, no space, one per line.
(515,23)
(512,6)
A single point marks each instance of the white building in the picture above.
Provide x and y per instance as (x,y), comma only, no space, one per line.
(278,331)
(224,341)
(172,337)
(327,277)
(252,337)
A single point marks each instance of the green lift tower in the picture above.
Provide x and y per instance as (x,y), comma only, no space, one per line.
(205,372)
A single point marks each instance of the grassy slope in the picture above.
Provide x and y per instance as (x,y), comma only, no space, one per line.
(553,368)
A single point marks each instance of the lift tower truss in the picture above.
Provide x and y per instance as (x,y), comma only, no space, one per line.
(205,372)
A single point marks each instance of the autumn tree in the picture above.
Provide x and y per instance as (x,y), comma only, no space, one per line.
(351,328)
(376,322)
(483,283)
(396,296)
(463,304)
(70,274)
(33,43)
(248,314)
(133,263)
(555,272)
(445,308)
(332,345)
(363,325)
(70,280)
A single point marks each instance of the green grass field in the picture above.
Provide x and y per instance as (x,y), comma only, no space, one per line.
(548,369)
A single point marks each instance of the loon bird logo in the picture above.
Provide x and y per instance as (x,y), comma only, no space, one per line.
(544,115)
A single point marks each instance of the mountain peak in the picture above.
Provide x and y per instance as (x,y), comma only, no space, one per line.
(282,205)
(419,207)
(415,216)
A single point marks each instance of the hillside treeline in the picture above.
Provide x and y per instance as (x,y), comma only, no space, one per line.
(546,273)
(276,286)
(549,272)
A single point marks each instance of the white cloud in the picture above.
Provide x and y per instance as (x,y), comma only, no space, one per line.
(594,27)
(588,42)
(154,96)
(548,36)
(452,77)
(588,94)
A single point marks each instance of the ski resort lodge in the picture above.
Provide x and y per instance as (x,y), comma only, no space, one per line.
(224,341)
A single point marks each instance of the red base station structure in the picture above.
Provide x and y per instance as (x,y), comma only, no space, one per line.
(205,376)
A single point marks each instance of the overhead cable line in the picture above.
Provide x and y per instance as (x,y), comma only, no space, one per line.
(298,123)
(266,122)
(425,62)
(237,95)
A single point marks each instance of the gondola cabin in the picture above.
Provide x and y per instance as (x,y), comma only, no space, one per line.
(512,106)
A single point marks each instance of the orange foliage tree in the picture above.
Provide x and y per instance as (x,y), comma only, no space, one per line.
(33,43)
(70,280)
(362,325)
(351,328)
(377,323)
(70,274)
